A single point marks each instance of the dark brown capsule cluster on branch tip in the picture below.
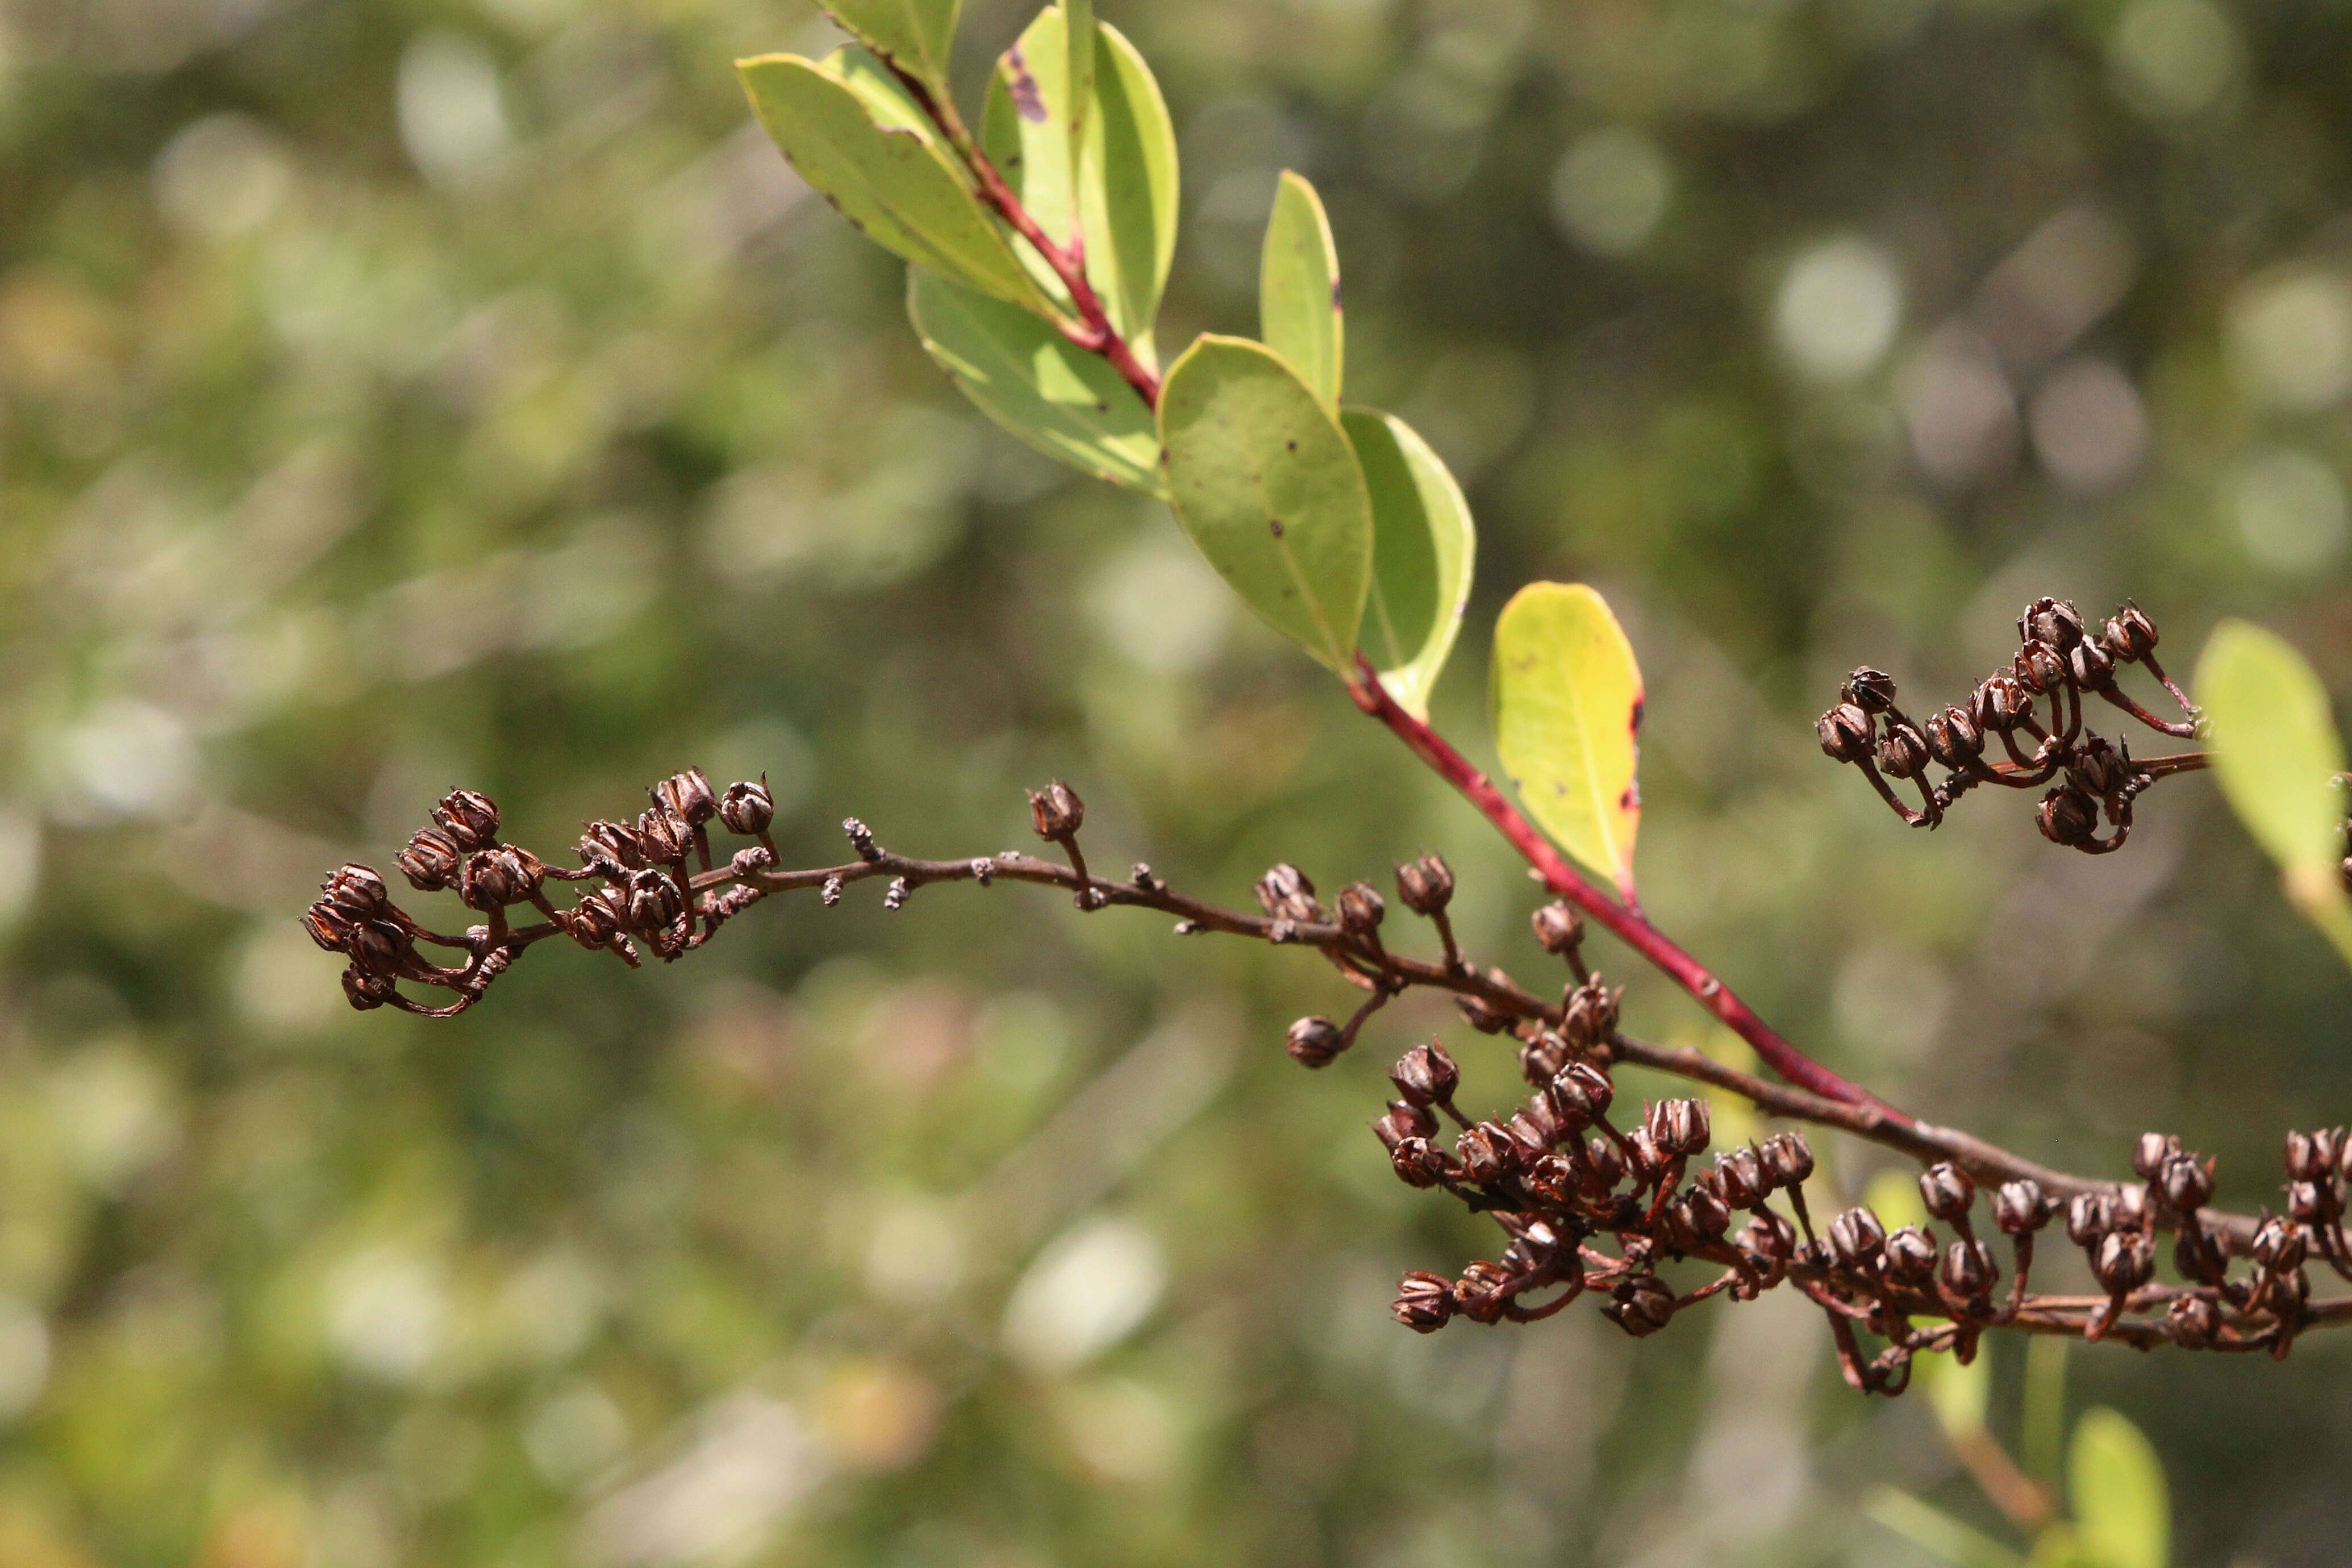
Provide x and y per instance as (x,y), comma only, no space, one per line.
(2000,736)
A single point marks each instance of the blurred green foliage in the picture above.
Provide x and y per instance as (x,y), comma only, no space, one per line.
(396,394)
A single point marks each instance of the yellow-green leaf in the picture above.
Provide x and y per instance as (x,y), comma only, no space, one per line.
(2123,1518)
(2277,752)
(1299,314)
(1568,716)
(1266,482)
(1078,51)
(1026,375)
(1125,186)
(916,35)
(853,133)
(1937,1531)
(1424,549)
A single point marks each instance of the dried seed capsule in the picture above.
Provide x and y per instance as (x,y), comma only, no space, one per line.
(469,817)
(2068,816)
(1872,690)
(1315,1042)
(2149,1154)
(1769,1236)
(2020,1208)
(654,903)
(2128,1208)
(1739,1175)
(2040,668)
(2056,622)
(2098,769)
(1424,1302)
(748,808)
(2186,1183)
(2304,1161)
(1954,739)
(1969,1269)
(1483,1292)
(1857,1239)
(1681,1126)
(1482,1016)
(2327,1149)
(1845,734)
(2123,1261)
(1947,1190)
(493,878)
(377,947)
(1581,1094)
(1425,1075)
(597,919)
(330,927)
(367,992)
(2089,1217)
(2131,635)
(1788,1159)
(1559,927)
(1911,1256)
(1644,1158)
(1600,1157)
(2198,1256)
(2192,1322)
(1425,883)
(662,836)
(1360,909)
(1588,1014)
(1056,812)
(356,890)
(2307,1201)
(1285,893)
(1903,752)
(1641,1306)
(1541,1058)
(431,860)
(1415,1162)
(1703,1211)
(2091,667)
(612,847)
(1535,1129)
(2001,704)
(1487,1153)
(687,797)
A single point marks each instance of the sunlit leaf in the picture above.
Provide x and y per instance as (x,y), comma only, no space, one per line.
(2059,1547)
(1267,483)
(1127,185)
(916,35)
(1567,715)
(1026,375)
(1424,549)
(1078,51)
(1299,313)
(853,133)
(2277,752)
(1937,1532)
(2115,1482)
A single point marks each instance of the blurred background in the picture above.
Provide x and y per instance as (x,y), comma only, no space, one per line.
(402,394)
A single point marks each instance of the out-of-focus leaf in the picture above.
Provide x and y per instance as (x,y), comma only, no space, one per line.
(1424,549)
(1127,183)
(1078,51)
(2059,1547)
(1958,1395)
(2044,1416)
(918,36)
(1568,716)
(1299,314)
(1937,1532)
(2122,1514)
(1026,375)
(1267,485)
(2277,751)
(853,133)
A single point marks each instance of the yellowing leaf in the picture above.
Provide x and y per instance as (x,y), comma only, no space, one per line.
(1568,713)
(916,35)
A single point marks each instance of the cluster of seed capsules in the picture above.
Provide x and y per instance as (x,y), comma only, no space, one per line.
(2059,661)
(648,890)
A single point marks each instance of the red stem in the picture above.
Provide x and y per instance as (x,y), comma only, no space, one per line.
(1630,926)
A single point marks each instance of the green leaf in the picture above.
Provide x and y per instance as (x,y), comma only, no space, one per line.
(853,133)
(2122,1516)
(1126,182)
(1423,546)
(2043,1416)
(1266,482)
(1026,375)
(1298,289)
(2059,1547)
(1568,714)
(917,35)
(1078,25)
(2277,752)
(1958,1395)
(1937,1531)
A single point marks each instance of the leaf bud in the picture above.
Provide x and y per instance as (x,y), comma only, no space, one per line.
(1969,1269)
(2131,635)
(1679,1127)
(366,991)
(748,808)
(1641,1306)
(2123,1261)
(1910,1256)
(1857,1239)
(1902,752)
(1425,1075)
(469,817)
(1947,1190)
(2001,704)
(1360,909)
(2067,817)
(687,797)
(1285,893)
(2021,1207)
(1424,1302)
(1425,883)
(431,860)
(1846,733)
(1954,739)
(1315,1042)
(1056,812)
(1872,690)
(1559,927)
(2192,1322)
(1788,1159)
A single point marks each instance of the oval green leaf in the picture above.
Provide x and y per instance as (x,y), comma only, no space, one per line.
(918,36)
(853,133)
(1298,307)
(1026,375)
(2123,1518)
(2277,752)
(1568,716)
(1266,482)
(1424,549)
(1127,185)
